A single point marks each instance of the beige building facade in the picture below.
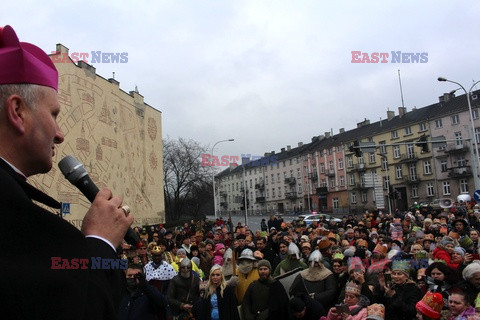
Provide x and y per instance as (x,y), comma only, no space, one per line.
(117,137)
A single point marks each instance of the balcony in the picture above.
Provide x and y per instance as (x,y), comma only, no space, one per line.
(259,186)
(453,148)
(360,167)
(223,194)
(460,172)
(412,179)
(260,199)
(290,180)
(360,186)
(409,157)
(291,195)
(330,172)
(313,176)
(321,191)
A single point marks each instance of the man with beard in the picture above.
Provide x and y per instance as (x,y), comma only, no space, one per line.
(247,272)
(291,262)
(265,298)
(184,289)
(141,300)
(158,272)
(316,281)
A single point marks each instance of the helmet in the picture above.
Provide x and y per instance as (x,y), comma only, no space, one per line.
(316,256)
(293,250)
(247,254)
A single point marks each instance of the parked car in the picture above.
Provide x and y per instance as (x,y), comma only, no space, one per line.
(308,219)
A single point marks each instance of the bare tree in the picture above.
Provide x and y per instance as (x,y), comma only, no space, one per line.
(184,176)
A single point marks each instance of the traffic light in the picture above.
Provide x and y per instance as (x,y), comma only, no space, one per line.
(355,148)
(422,143)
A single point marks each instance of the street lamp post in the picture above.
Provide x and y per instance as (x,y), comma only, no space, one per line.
(213,177)
(476,177)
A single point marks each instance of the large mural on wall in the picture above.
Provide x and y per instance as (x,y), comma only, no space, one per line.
(118,139)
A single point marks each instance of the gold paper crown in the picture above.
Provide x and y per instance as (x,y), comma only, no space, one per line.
(352,287)
(156,250)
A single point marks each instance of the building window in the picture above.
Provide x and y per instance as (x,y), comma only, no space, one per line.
(455,119)
(349,161)
(340,163)
(351,179)
(386,182)
(458,139)
(322,167)
(398,172)
(324,183)
(330,165)
(463,186)
(413,172)
(384,163)
(427,167)
(477,135)
(279,192)
(273,179)
(410,153)
(414,191)
(430,189)
(335,203)
(422,126)
(383,148)
(394,134)
(396,152)
(443,165)
(342,181)
(299,174)
(332,183)
(475,114)
(446,188)
(364,197)
(353,197)
(278,177)
(438,123)
(408,131)
(372,157)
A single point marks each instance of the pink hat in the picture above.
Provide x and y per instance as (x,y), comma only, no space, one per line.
(22,62)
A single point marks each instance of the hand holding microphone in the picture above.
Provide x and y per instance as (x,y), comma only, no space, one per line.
(107,217)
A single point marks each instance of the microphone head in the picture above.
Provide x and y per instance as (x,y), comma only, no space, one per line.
(72,169)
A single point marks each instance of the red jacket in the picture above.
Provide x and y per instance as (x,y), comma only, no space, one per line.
(441,254)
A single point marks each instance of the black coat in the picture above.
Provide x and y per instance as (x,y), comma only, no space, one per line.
(227,306)
(31,238)
(402,305)
(144,304)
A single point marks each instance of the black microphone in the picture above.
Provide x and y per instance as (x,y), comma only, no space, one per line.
(76,174)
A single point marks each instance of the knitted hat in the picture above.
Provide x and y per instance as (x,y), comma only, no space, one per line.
(264,263)
(380,249)
(446,240)
(401,265)
(362,243)
(460,250)
(353,288)
(323,243)
(427,220)
(350,252)
(376,311)
(430,305)
(465,242)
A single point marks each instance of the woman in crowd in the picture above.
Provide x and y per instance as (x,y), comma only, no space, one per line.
(219,301)
(354,301)
(402,294)
(471,281)
(460,307)
(440,278)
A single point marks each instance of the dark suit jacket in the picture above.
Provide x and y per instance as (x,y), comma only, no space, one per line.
(30,237)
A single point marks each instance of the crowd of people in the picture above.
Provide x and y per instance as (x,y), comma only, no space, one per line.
(421,264)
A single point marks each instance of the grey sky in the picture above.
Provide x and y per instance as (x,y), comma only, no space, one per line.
(267,73)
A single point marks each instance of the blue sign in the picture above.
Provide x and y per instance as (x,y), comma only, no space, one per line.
(65,208)
(476,195)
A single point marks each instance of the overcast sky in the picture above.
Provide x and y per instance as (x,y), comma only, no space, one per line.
(266,73)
